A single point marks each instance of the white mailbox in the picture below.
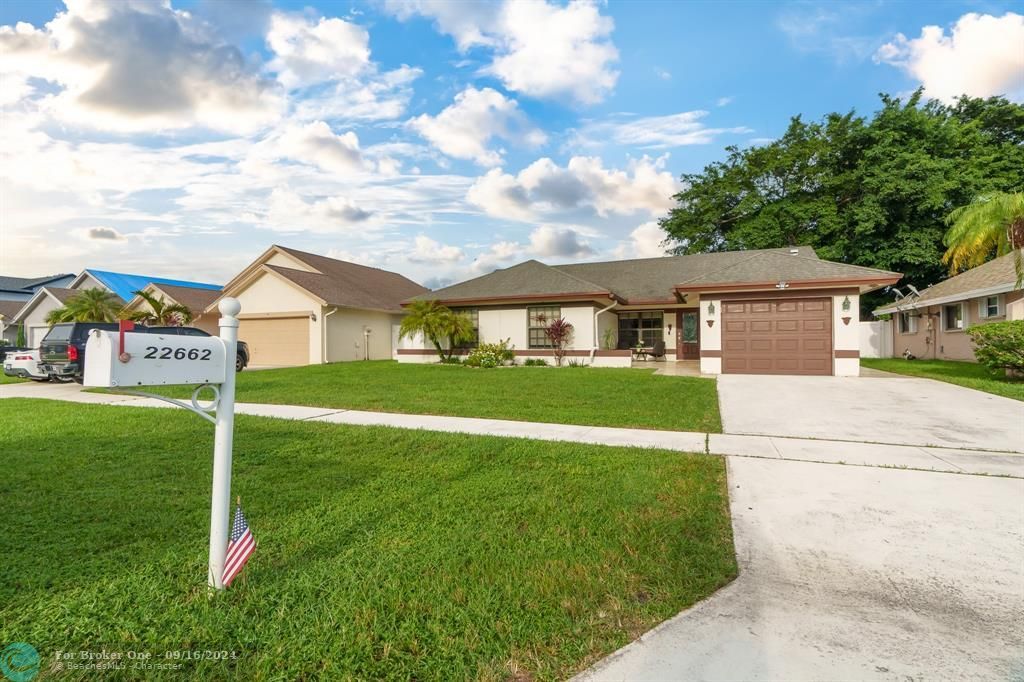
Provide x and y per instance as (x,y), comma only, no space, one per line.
(153,359)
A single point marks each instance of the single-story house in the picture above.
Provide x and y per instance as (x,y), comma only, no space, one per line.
(299,308)
(196,300)
(932,324)
(125,285)
(22,288)
(34,311)
(8,329)
(771,311)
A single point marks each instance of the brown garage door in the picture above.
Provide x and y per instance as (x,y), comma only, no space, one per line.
(276,340)
(784,336)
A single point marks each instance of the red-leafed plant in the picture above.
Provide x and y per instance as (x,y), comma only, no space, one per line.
(560,333)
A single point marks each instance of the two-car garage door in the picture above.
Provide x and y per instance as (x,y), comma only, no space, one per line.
(276,341)
(783,336)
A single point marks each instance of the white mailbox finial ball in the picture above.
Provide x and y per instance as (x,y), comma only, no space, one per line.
(229,307)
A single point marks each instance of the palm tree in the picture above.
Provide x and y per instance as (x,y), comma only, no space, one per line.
(161,312)
(993,224)
(436,322)
(88,305)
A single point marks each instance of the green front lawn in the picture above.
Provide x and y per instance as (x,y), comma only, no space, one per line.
(382,553)
(591,396)
(4,379)
(969,374)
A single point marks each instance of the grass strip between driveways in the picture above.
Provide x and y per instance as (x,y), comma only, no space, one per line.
(630,398)
(967,374)
(4,379)
(382,553)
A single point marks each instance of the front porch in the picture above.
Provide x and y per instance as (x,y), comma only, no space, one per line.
(669,367)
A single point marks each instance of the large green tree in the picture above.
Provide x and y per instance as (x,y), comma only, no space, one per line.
(868,191)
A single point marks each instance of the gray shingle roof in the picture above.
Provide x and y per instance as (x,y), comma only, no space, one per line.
(195,300)
(9,308)
(26,283)
(999,272)
(530,278)
(654,279)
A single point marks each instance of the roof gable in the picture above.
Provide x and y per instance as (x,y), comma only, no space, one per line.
(58,295)
(192,298)
(999,273)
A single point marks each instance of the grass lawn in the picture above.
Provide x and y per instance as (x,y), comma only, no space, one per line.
(4,379)
(591,396)
(382,553)
(969,374)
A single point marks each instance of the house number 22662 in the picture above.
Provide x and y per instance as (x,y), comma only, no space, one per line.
(168,353)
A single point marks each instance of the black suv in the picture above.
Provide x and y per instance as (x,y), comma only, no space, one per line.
(62,351)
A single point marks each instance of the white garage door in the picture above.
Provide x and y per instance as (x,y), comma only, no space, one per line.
(34,335)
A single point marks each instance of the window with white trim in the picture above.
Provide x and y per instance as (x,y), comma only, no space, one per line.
(908,323)
(990,306)
(953,317)
(473,315)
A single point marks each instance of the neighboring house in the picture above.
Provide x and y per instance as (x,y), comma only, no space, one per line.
(22,288)
(196,300)
(8,329)
(774,311)
(33,313)
(932,325)
(125,285)
(299,308)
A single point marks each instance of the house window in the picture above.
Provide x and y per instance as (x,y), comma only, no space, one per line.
(641,328)
(474,318)
(908,323)
(539,319)
(953,317)
(989,307)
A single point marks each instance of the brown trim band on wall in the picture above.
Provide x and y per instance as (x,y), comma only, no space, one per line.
(535,352)
(710,353)
(274,316)
(849,354)
(785,293)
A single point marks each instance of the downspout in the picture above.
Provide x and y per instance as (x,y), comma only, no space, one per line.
(323,334)
(593,351)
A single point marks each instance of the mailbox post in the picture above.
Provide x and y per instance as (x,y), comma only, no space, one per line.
(135,358)
(223,439)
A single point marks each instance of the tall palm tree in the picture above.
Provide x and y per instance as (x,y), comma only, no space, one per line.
(436,322)
(161,312)
(88,305)
(993,224)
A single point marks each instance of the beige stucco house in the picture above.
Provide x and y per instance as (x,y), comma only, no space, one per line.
(33,313)
(773,311)
(932,325)
(300,308)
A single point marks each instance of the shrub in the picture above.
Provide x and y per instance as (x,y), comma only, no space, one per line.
(490,355)
(577,363)
(999,345)
(559,331)
(535,362)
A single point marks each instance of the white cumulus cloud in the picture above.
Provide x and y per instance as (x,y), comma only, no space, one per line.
(427,250)
(139,66)
(982,56)
(307,53)
(464,129)
(545,188)
(539,49)
(644,242)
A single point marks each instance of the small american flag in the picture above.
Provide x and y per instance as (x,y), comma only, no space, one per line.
(240,547)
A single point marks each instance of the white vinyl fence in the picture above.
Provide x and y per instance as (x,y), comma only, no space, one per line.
(876,339)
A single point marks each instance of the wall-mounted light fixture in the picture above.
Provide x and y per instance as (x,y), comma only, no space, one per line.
(846,304)
(711,307)
(669,327)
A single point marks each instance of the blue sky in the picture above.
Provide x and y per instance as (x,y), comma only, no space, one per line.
(437,139)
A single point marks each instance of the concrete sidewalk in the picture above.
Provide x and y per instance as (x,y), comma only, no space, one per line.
(770,447)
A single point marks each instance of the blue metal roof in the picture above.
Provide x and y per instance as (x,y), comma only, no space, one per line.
(125,285)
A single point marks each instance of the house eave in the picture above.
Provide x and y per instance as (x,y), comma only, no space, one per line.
(952,298)
(865,285)
(487,300)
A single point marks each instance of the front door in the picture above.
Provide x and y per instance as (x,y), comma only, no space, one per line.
(688,334)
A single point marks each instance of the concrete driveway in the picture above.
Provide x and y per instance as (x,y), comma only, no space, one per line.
(853,573)
(886,409)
